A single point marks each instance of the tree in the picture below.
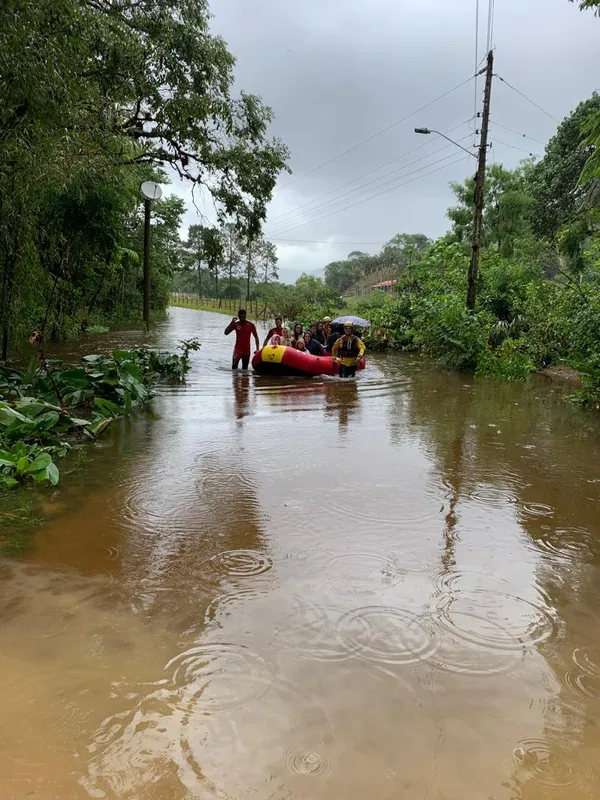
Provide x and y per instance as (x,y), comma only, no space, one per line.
(96,96)
(208,245)
(555,180)
(506,213)
(266,257)
(584,4)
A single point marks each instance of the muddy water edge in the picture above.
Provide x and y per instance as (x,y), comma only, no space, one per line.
(318,590)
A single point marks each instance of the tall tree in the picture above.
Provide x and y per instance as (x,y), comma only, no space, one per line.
(555,180)
(99,86)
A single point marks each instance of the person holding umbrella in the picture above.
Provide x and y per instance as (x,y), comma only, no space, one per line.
(348,350)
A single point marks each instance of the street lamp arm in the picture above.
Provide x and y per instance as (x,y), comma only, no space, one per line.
(427,131)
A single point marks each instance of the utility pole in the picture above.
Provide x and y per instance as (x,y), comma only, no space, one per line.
(480,184)
(150,191)
(147,204)
(230,261)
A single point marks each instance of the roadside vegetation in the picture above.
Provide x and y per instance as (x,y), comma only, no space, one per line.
(538,300)
(51,407)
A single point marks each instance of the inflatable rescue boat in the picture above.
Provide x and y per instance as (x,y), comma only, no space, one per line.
(280,360)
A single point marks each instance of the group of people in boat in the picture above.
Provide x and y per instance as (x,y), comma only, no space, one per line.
(321,338)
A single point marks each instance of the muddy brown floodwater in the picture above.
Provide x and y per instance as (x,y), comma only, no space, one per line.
(312,590)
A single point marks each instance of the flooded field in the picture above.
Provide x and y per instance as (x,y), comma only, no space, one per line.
(312,590)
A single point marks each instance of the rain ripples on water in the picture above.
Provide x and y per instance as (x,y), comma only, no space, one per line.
(296,589)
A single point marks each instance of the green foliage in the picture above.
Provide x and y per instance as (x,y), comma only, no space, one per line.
(43,409)
(446,331)
(308,300)
(396,256)
(97,96)
(555,180)
(510,361)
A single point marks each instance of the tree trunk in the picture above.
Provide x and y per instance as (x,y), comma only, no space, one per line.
(248,272)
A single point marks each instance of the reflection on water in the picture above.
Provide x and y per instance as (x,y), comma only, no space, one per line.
(307,589)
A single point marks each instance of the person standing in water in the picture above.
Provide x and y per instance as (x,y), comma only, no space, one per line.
(243,331)
(348,350)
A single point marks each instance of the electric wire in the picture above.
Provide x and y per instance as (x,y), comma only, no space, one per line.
(523,135)
(365,189)
(285,217)
(377,133)
(529,100)
(379,194)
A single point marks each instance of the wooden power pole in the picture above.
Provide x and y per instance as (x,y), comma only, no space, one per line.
(147,204)
(480,184)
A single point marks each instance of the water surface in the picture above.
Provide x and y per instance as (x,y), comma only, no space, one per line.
(312,590)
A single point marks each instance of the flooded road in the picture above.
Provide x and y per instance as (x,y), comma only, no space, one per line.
(312,590)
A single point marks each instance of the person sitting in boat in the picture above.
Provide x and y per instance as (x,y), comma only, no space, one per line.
(348,350)
(319,334)
(312,345)
(274,341)
(327,327)
(301,346)
(298,334)
(278,330)
(336,332)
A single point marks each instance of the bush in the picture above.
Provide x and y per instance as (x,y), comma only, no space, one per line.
(446,331)
(510,361)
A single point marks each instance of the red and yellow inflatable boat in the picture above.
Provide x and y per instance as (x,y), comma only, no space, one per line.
(280,360)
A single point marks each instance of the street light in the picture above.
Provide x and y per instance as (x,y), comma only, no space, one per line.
(150,191)
(426,132)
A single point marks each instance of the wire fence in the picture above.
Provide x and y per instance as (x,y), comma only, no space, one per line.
(255,308)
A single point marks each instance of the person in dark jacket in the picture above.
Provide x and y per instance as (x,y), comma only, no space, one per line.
(312,346)
(335,334)
(319,334)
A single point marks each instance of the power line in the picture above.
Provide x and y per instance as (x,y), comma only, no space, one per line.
(385,191)
(292,211)
(514,147)
(378,133)
(524,135)
(316,241)
(529,100)
(284,226)
(294,216)
(490,25)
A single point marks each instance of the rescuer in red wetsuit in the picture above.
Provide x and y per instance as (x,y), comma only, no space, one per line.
(243,331)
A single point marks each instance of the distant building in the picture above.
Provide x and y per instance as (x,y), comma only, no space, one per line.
(385,286)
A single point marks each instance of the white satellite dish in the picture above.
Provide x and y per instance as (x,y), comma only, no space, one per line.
(151,190)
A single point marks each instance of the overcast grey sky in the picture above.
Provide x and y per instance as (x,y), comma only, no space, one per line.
(337,71)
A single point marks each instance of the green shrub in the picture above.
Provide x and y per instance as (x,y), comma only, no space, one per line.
(510,361)
(449,333)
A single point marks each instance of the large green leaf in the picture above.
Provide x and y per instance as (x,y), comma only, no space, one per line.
(8,415)
(7,459)
(47,421)
(8,482)
(106,407)
(121,356)
(99,425)
(133,370)
(73,379)
(38,463)
(53,473)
